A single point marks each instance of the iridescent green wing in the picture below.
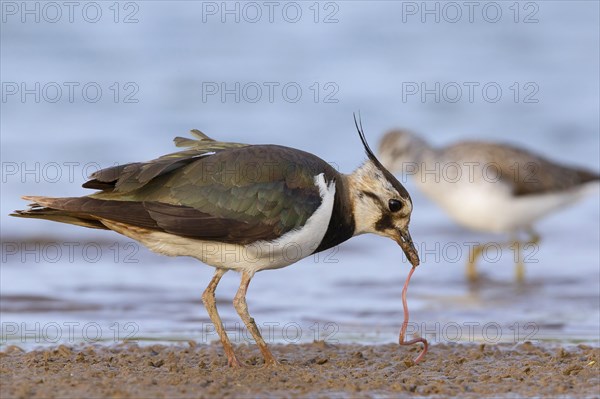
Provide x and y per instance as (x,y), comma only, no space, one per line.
(226,192)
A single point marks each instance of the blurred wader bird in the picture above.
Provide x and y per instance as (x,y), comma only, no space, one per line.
(497,188)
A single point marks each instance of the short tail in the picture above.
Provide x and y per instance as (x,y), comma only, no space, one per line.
(57,210)
(586,176)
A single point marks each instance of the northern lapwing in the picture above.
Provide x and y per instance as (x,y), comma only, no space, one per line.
(239,207)
(487,187)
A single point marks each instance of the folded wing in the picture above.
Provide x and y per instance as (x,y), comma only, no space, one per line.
(227,192)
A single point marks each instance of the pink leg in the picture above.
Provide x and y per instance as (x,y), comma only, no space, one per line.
(241,307)
(208,297)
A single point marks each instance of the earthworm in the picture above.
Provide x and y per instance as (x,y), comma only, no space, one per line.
(405,323)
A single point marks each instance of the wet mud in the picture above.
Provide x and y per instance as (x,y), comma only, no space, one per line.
(306,370)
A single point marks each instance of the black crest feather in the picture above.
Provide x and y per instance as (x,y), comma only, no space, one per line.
(361,133)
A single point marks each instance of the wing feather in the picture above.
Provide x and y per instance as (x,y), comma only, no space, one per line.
(524,172)
(214,191)
(132,176)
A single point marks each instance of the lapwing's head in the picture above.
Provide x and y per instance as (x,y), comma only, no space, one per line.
(399,148)
(381,205)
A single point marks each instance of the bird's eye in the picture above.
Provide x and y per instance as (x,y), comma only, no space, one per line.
(395,205)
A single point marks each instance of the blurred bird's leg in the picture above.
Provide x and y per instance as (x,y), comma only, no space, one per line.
(533,240)
(208,297)
(517,248)
(534,237)
(239,302)
(515,244)
(472,263)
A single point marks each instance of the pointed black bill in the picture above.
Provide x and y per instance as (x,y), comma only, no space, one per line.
(406,243)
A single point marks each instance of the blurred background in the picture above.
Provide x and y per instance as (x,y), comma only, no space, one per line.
(87,85)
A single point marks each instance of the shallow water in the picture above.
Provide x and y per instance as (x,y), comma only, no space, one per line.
(352,295)
(85,285)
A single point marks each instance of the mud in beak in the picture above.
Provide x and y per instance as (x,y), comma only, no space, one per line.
(406,243)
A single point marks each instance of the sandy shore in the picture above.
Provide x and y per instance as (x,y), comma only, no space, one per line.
(309,370)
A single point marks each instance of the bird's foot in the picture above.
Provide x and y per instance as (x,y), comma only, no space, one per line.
(271,363)
(233,362)
(268,357)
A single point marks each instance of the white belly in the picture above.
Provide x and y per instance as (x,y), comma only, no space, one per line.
(260,255)
(491,207)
